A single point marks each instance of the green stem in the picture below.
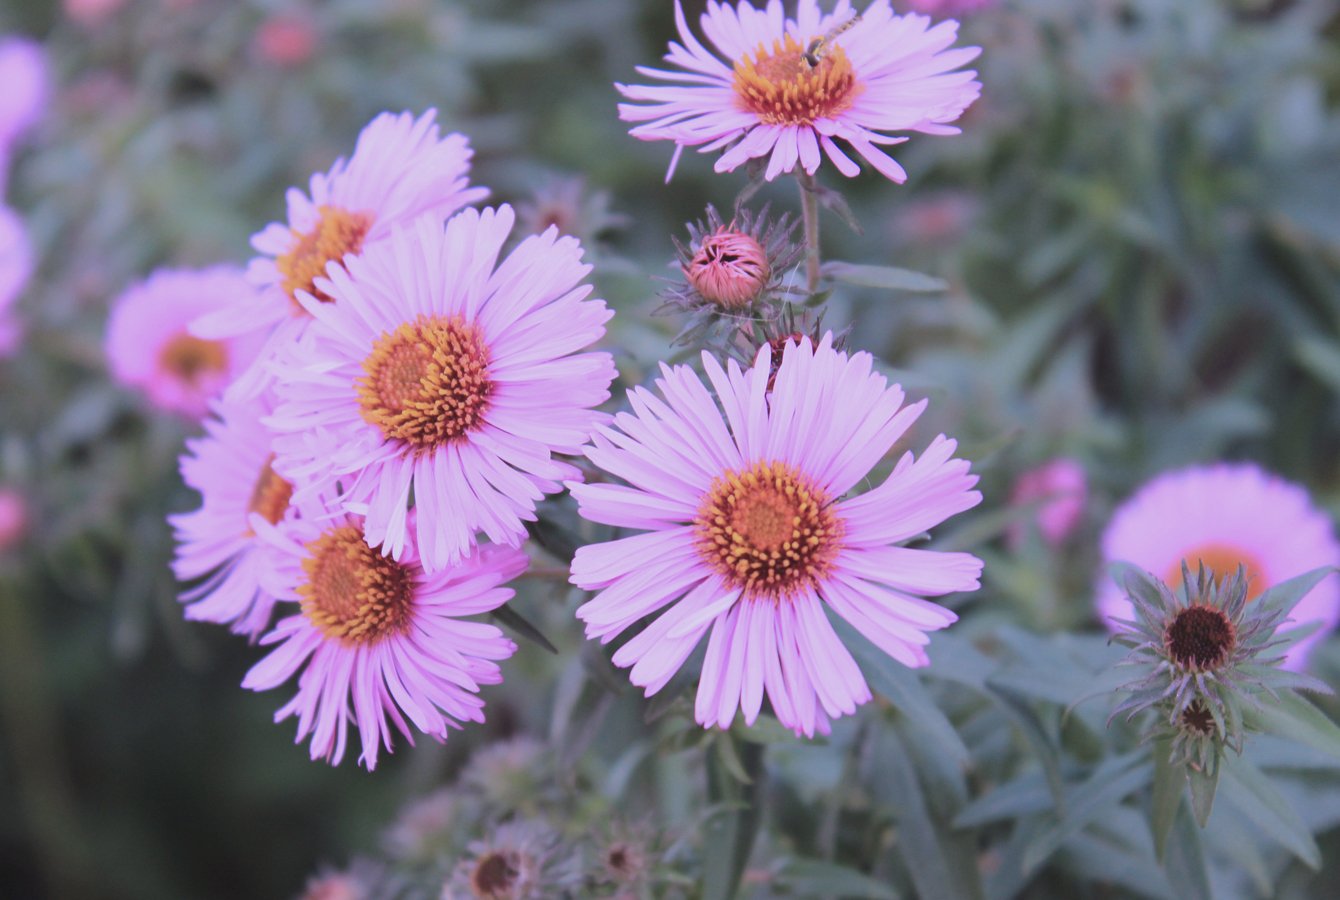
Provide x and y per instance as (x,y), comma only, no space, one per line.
(809,211)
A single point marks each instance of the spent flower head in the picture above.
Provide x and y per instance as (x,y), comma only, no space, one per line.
(1204,652)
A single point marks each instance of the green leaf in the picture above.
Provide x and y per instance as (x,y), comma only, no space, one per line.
(902,687)
(1297,719)
(1169,785)
(515,621)
(1203,785)
(1285,596)
(1015,799)
(1033,730)
(816,878)
(1248,789)
(1321,358)
(728,837)
(942,866)
(1113,781)
(888,278)
(1184,862)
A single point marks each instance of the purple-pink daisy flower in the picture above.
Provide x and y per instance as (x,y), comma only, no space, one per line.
(443,372)
(752,535)
(150,347)
(1224,516)
(790,89)
(25,96)
(231,468)
(378,641)
(401,168)
(16,267)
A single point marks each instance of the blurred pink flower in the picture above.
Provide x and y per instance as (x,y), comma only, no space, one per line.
(150,348)
(16,267)
(23,72)
(287,41)
(746,533)
(949,7)
(90,13)
(1226,515)
(13,518)
(441,371)
(1058,490)
(382,635)
(936,219)
(230,467)
(789,88)
(400,169)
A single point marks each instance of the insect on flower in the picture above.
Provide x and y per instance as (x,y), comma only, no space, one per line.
(814,52)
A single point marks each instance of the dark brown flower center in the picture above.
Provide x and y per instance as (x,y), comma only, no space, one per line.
(495,875)
(1200,638)
(1198,720)
(427,382)
(192,359)
(352,592)
(1222,560)
(768,531)
(335,234)
(781,87)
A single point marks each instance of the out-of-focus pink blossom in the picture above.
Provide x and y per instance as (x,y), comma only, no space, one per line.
(89,13)
(1058,489)
(13,518)
(287,41)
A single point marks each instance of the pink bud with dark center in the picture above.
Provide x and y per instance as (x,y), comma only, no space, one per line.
(729,268)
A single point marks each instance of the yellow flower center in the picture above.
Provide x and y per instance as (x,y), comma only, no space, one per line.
(768,531)
(336,233)
(781,87)
(352,592)
(191,359)
(1223,560)
(426,383)
(271,494)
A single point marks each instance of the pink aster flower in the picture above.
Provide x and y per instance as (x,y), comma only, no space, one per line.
(442,371)
(149,345)
(1226,515)
(400,169)
(23,72)
(1057,491)
(231,468)
(16,267)
(384,636)
(788,89)
(749,533)
(949,7)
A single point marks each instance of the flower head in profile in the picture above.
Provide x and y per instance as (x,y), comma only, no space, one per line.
(750,535)
(16,267)
(231,467)
(150,346)
(442,371)
(379,642)
(789,89)
(401,168)
(1226,516)
(1204,652)
(566,203)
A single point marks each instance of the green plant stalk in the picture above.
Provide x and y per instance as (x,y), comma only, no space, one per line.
(809,212)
